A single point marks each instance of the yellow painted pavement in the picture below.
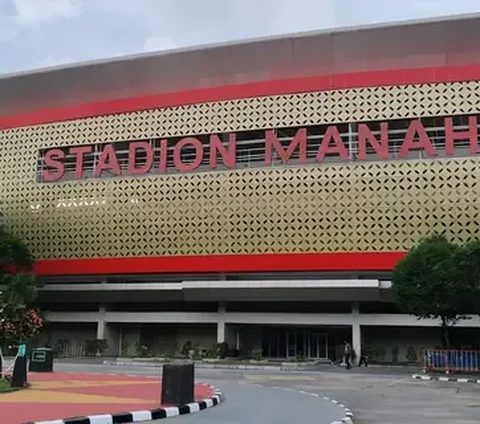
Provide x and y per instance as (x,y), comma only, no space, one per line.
(42,392)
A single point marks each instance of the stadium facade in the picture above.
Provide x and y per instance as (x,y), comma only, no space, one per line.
(258,193)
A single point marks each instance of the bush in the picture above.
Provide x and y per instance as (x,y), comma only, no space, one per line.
(187,348)
(412,354)
(94,347)
(395,350)
(125,347)
(257,354)
(380,353)
(222,350)
(141,350)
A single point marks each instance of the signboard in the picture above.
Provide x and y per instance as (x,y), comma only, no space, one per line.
(161,155)
(39,356)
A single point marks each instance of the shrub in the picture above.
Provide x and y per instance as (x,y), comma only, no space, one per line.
(380,353)
(257,354)
(97,346)
(395,351)
(411,354)
(222,350)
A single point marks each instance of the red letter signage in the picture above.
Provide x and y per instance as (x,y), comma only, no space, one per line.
(228,156)
(132,158)
(365,134)
(272,142)
(338,147)
(177,154)
(54,159)
(416,130)
(79,152)
(471,135)
(108,162)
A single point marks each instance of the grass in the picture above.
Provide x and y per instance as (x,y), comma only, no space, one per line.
(5,386)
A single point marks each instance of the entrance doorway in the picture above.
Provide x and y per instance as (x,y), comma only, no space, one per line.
(317,346)
(308,344)
(316,343)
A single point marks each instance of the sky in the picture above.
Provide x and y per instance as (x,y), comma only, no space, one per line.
(42,33)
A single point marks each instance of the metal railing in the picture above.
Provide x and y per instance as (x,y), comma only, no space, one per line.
(451,360)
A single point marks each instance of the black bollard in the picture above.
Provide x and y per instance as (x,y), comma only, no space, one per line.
(19,376)
(178,384)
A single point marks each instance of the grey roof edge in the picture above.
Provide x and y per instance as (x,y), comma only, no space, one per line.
(212,46)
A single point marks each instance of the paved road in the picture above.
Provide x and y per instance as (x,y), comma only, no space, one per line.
(374,397)
(245,401)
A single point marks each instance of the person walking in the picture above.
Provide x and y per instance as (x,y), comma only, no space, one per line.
(363,358)
(348,354)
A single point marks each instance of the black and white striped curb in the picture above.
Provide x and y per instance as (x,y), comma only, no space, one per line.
(348,418)
(142,416)
(450,379)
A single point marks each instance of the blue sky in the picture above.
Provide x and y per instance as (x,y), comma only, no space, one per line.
(40,33)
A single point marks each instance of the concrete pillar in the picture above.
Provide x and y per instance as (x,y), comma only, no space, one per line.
(106,332)
(221,323)
(356,332)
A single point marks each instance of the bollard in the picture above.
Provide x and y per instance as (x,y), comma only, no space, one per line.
(178,384)
(19,376)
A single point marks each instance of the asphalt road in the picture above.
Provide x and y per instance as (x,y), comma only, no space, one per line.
(374,396)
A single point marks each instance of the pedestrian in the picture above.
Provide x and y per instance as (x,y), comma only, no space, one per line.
(348,354)
(363,358)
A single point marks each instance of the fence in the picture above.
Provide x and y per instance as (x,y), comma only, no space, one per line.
(451,360)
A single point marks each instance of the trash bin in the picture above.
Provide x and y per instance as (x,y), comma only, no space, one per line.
(41,360)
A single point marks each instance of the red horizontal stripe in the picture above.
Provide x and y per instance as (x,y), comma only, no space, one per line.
(342,261)
(240,91)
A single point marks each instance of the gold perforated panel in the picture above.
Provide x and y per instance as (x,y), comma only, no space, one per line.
(351,207)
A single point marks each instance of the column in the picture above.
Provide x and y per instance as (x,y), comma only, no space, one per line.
(106,332)
(221,323)
(356,332)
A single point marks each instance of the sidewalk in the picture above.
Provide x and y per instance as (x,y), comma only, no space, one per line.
(59,395)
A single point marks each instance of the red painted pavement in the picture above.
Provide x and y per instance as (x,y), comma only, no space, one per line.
(59,395)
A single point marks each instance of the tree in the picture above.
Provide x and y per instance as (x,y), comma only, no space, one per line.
(468,264)
(19,322)
(427,283)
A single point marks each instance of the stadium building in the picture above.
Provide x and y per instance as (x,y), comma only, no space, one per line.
(258,193)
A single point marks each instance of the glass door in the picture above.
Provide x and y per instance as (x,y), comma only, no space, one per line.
(317,346)
(291,345)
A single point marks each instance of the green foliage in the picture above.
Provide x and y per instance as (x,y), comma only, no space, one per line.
(19,322)
(142,350)
(187,348)
(468,264)
(257,354)
(379,353)
(395,351)
(222,350)
(125,347)
(94,347)
(411,354)
(429,282)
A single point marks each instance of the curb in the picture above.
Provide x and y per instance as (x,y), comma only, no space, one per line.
(449,379)
(140,416)
(349,418)
(146,364)
(197,366)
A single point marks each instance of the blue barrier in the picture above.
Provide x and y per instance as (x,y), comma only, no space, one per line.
(451,360)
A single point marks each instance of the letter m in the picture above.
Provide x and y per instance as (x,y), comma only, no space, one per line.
(273,143)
